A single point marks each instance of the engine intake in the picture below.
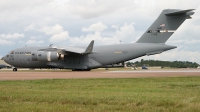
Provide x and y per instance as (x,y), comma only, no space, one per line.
(46,56)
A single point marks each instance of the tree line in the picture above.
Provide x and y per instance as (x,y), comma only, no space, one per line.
(172,64)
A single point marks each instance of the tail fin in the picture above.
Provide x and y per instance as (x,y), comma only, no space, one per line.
(165,25)
(89,48)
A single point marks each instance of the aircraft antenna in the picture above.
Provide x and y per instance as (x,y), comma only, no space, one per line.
(120,41)
(50,45)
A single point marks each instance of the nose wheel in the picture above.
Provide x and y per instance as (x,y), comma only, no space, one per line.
(14,69)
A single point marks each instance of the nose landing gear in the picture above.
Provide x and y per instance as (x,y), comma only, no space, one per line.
(14,69)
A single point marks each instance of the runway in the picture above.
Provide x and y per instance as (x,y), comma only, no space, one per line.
(33,75)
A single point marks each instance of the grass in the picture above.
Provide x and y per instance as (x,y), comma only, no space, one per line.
(178,94)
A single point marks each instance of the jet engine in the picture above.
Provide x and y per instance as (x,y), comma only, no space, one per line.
(46,56)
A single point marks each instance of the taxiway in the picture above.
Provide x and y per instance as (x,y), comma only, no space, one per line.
(32,75)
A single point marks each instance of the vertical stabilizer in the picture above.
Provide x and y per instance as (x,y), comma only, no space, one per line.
(165,25)
(89,48)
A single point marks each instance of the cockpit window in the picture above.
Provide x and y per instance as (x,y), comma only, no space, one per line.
(12,52)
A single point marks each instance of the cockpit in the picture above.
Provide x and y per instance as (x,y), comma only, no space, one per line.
(11,52)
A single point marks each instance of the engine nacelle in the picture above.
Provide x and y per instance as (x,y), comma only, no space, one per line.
(46,56)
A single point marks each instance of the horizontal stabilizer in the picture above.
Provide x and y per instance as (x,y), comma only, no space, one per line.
(180,12)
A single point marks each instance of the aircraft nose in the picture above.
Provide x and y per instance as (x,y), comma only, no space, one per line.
(4,58)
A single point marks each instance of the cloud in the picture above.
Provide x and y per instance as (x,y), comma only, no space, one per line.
(50,30)
(126,32)
(57,32)
(30,27)
(186,41)
(19,6)
(21,42)
(34,42)
(60,37)
(33,37)
(99,39)
(12,36)
(6,42)
(13,11)
(95,27)
(123,33)
(115,27)
(95,8)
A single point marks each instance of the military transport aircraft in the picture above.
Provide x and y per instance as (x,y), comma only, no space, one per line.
(91,57)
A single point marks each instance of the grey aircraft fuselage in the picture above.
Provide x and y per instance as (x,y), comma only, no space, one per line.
(103,55)
(91,57)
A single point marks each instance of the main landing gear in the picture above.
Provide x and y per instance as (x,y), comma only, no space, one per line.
(81,69)
(14,69)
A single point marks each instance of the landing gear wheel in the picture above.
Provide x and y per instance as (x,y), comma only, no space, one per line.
(14,69)
(81,69)
(73,69)
(87,69)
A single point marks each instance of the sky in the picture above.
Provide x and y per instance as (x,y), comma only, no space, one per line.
(77,22)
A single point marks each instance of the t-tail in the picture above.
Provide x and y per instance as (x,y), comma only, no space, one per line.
(165,25)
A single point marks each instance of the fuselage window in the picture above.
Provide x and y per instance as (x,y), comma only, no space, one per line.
(28,52)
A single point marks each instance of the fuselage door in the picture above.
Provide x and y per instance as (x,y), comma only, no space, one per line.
(11,57)
(22,61)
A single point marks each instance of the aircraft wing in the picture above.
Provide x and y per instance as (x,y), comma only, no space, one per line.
(71,49)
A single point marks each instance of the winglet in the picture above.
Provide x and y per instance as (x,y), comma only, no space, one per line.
(89,48)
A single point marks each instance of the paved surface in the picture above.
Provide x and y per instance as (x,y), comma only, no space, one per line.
(28,75)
